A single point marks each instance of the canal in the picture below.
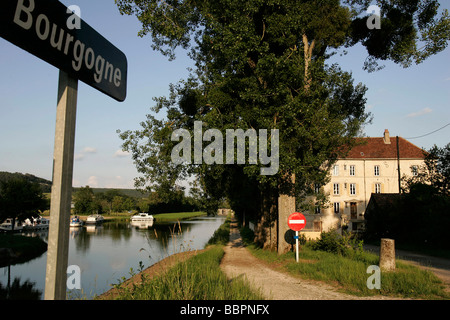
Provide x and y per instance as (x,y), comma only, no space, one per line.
(108,253)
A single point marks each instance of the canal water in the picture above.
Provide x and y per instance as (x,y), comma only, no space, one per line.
(108,253)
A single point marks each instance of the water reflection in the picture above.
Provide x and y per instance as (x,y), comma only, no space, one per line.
(106,253)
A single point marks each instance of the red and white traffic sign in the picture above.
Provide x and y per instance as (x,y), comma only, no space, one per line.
(296,221)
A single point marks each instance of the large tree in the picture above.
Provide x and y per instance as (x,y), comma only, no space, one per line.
(262,64)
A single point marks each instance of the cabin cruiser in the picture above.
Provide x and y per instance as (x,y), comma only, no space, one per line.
(38,223)
(7,225)
(95,219)
(76,222)
(142,217)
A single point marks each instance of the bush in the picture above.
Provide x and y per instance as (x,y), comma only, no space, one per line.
(333,242)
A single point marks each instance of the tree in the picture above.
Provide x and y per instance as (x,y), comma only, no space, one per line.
(21,199)
(435,171)
(84,200)
(261,64)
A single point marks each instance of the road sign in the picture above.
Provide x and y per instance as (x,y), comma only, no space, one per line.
(296,221)
(41,27)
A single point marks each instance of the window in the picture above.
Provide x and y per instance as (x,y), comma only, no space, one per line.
(376,170)
(316,188)
(336,170)
(414,171)
(336,188)
(377,187)
(317,210)
(352,170)
(352,188)
(336,207)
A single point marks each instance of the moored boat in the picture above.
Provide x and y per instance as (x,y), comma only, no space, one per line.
(76,222)
(142,217)
(7,225)
(95,219)
(38,223)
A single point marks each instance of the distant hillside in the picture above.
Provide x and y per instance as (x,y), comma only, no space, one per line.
(128,192)
(45,184)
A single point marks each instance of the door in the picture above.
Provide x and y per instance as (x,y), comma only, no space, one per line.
(353,210)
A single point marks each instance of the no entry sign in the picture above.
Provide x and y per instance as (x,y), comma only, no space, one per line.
(40,27)
(296,221)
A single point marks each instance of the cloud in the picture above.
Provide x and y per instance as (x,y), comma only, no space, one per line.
(121,154)
(419,113)
(93,181)
(87,150)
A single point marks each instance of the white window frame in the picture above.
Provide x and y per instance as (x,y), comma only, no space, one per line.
(377,187)
(336,189)
(414,170)
(353,189)
(352,170)
(337,207)
(376,170)
(316,188)
(336,170)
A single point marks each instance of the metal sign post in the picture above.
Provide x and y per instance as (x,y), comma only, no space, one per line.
(40,27)
(61,196)
(296,222)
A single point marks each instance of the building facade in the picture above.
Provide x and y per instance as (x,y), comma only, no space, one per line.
(375,165)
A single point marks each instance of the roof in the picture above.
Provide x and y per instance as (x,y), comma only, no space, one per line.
(376,148)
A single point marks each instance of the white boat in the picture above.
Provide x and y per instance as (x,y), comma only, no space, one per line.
(76,222)
(95,219)
(142,217)
(7,225)
(36,224)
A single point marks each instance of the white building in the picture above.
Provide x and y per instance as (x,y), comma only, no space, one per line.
(370,167)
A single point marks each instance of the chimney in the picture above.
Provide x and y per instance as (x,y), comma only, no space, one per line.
(386,138)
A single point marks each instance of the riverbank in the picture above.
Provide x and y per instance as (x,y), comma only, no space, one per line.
(191,275)
(159,218)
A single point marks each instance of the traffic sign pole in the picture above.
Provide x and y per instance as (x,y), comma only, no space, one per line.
(296,222)
(61,196)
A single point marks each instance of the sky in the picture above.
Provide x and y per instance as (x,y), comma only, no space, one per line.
(408,102)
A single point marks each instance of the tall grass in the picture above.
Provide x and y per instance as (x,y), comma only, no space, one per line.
(198,278)
(348,271)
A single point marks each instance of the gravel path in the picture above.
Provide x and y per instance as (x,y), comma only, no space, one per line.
(275,285)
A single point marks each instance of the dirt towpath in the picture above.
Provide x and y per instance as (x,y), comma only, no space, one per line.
(274,284)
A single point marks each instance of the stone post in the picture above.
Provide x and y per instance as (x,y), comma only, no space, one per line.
(387,255)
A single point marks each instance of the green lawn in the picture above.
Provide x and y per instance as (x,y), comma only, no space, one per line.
(167,217)
(349,272)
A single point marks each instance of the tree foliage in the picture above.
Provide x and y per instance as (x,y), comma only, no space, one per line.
(21,199)
(435,172)
(261,64)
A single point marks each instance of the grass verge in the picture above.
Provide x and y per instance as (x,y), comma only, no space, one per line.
(198,278)
(349,271)
(168,217)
